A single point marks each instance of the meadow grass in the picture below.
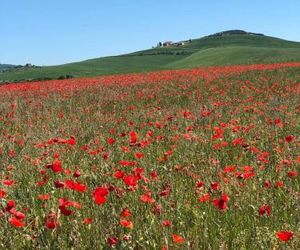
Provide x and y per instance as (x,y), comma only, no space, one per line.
(182,144)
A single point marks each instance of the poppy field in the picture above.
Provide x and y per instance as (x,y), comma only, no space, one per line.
(202,158)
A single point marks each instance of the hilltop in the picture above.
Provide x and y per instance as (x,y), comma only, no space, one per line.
(222,48)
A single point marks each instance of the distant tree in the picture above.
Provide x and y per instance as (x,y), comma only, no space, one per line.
(159,44)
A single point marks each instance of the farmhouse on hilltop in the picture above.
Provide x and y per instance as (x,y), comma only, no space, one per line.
(170,43)
(167,44)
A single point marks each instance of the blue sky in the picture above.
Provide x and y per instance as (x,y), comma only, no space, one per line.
(60,31)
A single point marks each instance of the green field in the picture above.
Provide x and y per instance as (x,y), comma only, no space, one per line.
(237,55)
(206,51)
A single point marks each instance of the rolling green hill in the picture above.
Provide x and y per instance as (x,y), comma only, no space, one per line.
(220,49)
(4,67)
(236,55)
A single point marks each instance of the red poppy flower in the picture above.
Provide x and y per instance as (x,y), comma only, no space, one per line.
(125,213)
(133,137)
(59,184)
(71,141)
(147,198)
(127,163)
(229,169)
(51,224)
(16,222)
(126,223)
(130,180)
(292,174)
(2,193)
(10,205)
(43,197)
(76,174)
(51,221)
(125,149)
(77,186)
(222,202)
(153,174)
(289,138)
(238,141)
(279,184)
(165,192)
(84,147)
(267,184)
(63,209)
(119,174)
(178,239)
(215,186)
(139,155)
(112,241)
(284,235)
(56,166)
(247,175)
(64,204)
(166,223)
(204,198)
(87,221)
(264,210)
(7,182)
(111,141)
(99,195)
(12,153)
(17,214)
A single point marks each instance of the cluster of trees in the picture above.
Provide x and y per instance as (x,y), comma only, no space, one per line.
(9,67)
(235,32)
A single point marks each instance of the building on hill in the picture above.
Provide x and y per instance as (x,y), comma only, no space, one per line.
(167,43)
(177,44)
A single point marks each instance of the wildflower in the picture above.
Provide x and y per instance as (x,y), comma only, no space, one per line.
(56,166)
(111,141)
(99,195)
(126,223)
(147,198)
(112,241)
(133,137)
(2,193)
(292,174)
(222,202)
(166,223)
(51,221)
(178,239)
(264,210)
(87,221)
(125,213)
(284,235)
(16,222)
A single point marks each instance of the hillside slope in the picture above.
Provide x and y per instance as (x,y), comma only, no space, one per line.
(237,55)
(206,51)
(93,67)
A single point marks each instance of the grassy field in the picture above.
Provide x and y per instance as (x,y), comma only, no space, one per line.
(236,55)
(187,159)
(103,66)
(207,51)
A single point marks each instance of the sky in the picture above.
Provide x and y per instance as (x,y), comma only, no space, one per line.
(51,32)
